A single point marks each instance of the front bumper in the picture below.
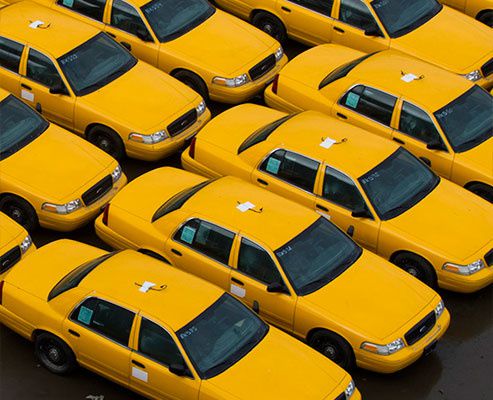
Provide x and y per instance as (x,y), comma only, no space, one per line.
(466,283)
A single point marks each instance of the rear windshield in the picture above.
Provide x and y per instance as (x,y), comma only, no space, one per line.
(342,71)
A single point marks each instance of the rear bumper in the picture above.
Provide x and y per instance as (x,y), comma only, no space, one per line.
(191,165)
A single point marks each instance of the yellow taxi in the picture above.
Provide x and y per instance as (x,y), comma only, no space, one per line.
(156,330)
(15,244)
(289,264)
(382,195)
(48,176)
(84,81)
(216,54)
(439,117)
(482,10)
(421,28)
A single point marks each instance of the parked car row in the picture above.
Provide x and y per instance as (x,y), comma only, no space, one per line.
(373,167)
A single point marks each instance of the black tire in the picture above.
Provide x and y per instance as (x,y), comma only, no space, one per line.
(54,354)
(486,18)
(482,190)
(271,25)
(20,211)
(416,266)
(107,140)
(334,347)
(194,82)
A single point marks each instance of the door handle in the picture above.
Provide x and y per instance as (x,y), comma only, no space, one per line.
(39,108)
(398,140)
(176,252)
(337,29)
(262,182)
(426,161)
(323,208)
(74,333)
(126,45)
(138,364)
(256,306)
(341,115)
(238,281)
(286,9)
(111,34)
(26,86)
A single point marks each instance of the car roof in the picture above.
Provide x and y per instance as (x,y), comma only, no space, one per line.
(57,34)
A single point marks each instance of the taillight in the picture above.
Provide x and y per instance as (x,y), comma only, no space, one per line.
(1,291)
(105,214)
(275,83)
(191,151)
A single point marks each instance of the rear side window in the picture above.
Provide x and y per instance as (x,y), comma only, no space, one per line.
(108,319)
(10,54)
(371,103)
(91,8)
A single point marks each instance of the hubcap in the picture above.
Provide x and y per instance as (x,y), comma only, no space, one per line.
(54,355)
(413,271)
(268,28)
(330,352)
(16,214)
(104,144)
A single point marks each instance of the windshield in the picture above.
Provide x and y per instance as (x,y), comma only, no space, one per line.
(20,125)
(170,19)
(468,120)
(220,336)
(403,16)
(397,184)
(343,70)
(317,256)
(95,63)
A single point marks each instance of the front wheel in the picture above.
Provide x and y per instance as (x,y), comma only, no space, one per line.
(54,354)
(416,266)
(20,211)
(194,82)
(271,25)
(333,347)
(107,140)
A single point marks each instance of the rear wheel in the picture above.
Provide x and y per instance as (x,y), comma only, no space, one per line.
(416,266)
(20,211)
(334,347)
(54,354)
(107,140)
(194,82)
(486,18)
(271,25)
(482,190)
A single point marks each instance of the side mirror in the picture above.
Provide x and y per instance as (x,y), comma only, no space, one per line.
(178,369)
(373,30)
(277,287)
(435,145)
(361,213)
(58,88)
(143,35)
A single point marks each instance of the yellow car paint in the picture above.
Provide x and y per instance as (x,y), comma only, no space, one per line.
(449,224)
(482,10)
(29,306)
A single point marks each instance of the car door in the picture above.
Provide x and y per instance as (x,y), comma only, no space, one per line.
(155,352)
(203,249)
(368,108)
(288,174)
(10,61)
(416,131)
(309,20)
(37,83)
(357,27)
(99,332)
(256,269)
(342,197)
(126,26)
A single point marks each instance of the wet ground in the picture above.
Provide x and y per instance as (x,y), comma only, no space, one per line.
(461,368)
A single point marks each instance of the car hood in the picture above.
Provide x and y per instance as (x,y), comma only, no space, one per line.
(223,44)
(367,295)
(161,98)
(450,40)
(56,164)
(450,219)
(279,367)
(481,157)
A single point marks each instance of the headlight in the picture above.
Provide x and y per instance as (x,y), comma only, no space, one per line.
(439,309)
(67,208)
(26,243)
(231,82)
(473,76)
(386,349)
(157,137)
(279,53)
(464,269)
(349,390)
(200,108)
(116,174)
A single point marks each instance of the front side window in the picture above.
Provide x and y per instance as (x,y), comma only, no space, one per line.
(42,70)
(397,184)
(126,18)
(208,239)
(221,336)
(340,189)
(108,319)
(293,168)
(255,262)
(19,126)
(321,6)
(91,8)
(95,63)
(170,19)
(158,344)
(371,103)
(10,54)
(357,14)
(468,120)
(417,123)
